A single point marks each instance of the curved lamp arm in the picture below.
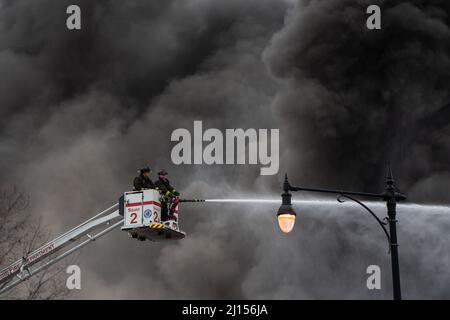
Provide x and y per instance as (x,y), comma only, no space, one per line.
(381,223)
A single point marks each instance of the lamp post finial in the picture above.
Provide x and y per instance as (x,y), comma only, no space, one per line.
(286,185)
(390,177)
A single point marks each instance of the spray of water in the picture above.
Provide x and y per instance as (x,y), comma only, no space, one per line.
(332,202)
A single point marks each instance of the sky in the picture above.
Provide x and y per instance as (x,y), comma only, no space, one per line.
(81,111)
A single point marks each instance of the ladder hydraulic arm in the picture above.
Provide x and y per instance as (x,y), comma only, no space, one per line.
(71,241)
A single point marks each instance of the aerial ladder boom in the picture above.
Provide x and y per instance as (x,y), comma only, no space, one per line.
(139,214)
(67,243)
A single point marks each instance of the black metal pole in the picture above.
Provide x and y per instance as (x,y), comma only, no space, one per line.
(391,197)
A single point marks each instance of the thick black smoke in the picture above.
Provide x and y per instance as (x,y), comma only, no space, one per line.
(358,98)
(80,111)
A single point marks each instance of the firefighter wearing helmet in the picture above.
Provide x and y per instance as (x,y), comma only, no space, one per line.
(169,194)
(143,181)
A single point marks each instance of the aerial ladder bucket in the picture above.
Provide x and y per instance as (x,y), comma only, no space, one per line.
(142,211)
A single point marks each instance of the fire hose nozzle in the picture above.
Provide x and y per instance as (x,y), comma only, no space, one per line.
(192,200)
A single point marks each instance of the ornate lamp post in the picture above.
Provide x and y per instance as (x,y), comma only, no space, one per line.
(286,217)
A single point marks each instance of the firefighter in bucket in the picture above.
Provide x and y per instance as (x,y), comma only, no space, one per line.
(143,181)
(169,196)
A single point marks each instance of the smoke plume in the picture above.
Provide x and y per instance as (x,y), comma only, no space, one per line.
(81,111)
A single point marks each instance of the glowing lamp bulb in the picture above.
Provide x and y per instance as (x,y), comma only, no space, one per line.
(286,222)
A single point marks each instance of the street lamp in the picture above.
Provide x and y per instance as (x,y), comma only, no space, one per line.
(286,216)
